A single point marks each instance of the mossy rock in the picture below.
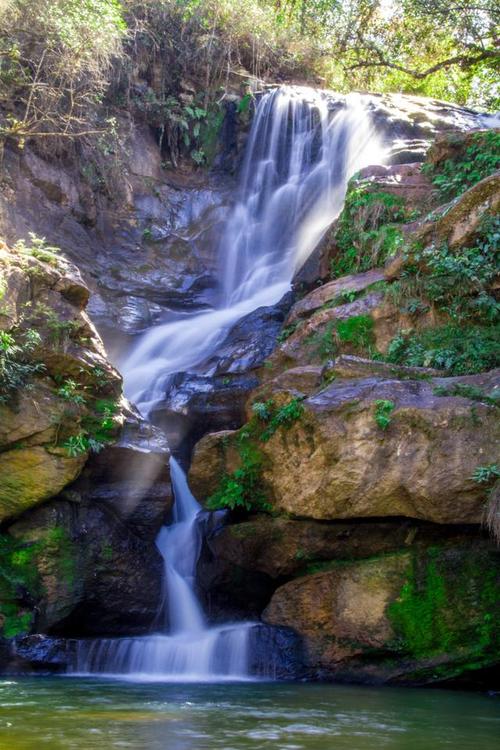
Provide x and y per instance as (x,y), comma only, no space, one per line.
(413,616)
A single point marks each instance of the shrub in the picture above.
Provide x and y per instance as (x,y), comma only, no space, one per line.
(243,489)
(383,411)
(357,331)
(55,61)
(366,234)
(17,367)
(460,350)
(453,176)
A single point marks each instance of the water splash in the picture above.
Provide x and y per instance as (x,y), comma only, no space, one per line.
(191,651)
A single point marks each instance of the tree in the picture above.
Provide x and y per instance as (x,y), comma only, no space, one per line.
(55,56)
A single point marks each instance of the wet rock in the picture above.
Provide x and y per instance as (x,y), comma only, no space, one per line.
(215,400)
(41,653)
(276,653)
(92,567)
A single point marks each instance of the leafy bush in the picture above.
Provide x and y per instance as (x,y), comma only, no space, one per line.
(383,411)
(453,176)
(366,234)
(243,488)
(97,429)
(357,331)
(486,474)
(55,60)
(17,367)
(458,281)
(460,350)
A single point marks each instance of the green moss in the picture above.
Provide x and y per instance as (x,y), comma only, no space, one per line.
(20,580)
(356,331)
(19,583)
(243,489)
(448,604)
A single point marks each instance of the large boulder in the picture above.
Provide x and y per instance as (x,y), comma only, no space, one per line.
(414,617)
(86,562)
(58,393)
(342,459)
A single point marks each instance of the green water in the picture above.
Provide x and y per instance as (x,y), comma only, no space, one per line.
(83,714)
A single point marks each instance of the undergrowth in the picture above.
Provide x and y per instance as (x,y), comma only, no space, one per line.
(453,176)
(243,489)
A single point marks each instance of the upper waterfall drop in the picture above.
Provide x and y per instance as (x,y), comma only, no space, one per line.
(303,147)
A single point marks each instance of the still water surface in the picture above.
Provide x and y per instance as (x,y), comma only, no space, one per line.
(85,714)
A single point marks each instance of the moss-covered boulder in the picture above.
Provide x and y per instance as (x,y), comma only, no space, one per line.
(59,397)
(420,616)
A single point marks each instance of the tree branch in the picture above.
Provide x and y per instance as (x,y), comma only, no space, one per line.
(462,60)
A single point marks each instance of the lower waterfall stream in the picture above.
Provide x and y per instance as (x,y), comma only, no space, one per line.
(303,147)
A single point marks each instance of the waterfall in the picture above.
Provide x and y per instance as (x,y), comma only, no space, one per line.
(302,149)
(191,651)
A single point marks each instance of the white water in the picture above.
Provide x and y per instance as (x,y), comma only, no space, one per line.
(191,651)
(299,158)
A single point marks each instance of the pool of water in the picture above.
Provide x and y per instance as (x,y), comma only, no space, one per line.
(86,713)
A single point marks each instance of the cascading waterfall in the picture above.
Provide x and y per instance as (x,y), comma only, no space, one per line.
(191,650)
(302,149)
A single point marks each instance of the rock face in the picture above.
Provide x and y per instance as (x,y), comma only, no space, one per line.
(56,383)
(91,551)
(337,462)
(372,479)
(84,482)
(405,617)
(215,400)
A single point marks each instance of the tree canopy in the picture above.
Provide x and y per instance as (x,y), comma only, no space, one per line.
(59,59)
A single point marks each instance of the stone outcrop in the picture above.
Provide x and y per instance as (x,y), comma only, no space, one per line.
(84,481)
(337,462)
(55,382)
(412,616)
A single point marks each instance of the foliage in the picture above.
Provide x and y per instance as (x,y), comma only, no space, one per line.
(486,474)
(366,233)
(69,391)
(288,331)
(460,350)
(383,412)
(20,584)
(357,331)
(38,248)
(472,392)
(436,601)
(17,366)
(55,58)
(97,428)
(243,489)
(455,175)
(458,281)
